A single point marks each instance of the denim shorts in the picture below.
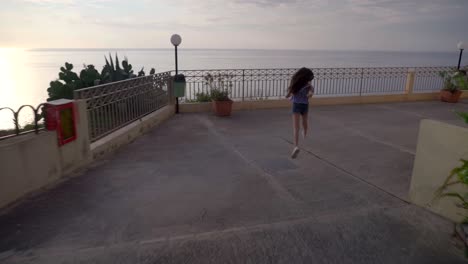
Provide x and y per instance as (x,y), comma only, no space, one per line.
(300,108)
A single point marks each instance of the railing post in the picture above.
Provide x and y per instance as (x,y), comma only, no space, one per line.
(16,121)
(243,84)
(83,128)
(409,81)
(360,82)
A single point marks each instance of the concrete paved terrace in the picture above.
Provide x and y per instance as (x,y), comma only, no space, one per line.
(202,189)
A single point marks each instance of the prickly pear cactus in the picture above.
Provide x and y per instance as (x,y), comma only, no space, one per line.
(67,82)
(89,76)
(141,72)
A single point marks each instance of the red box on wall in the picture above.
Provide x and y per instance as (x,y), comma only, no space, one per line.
(60,116)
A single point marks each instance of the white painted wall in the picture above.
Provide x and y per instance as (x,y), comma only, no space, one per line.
(440,147)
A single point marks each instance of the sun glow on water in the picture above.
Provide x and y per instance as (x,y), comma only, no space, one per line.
(15,75)
(7,60)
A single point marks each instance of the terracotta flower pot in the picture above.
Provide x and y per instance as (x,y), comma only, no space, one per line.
(447,96)
(222,108)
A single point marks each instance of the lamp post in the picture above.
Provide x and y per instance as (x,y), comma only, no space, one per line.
(461,46)
(176,40)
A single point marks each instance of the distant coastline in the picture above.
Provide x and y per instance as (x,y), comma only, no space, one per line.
(232,49)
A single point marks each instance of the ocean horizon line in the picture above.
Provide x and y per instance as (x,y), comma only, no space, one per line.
(230,49)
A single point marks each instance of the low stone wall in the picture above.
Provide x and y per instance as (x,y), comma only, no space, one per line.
(282,103)
(130,132)
(32,162)
(440,147)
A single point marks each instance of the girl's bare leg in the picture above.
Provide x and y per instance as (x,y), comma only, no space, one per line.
(296,135)
(305,124)
(296,129)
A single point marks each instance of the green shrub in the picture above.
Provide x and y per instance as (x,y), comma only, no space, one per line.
(70,81)
(203,97)
(458,176)
(220,86)
(219,95)
(456,80)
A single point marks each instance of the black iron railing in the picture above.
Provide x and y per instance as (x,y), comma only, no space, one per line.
(261,84)
(427,79)
(114,105)
(21,128)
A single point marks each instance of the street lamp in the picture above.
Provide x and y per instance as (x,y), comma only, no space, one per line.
(176,40)
(461,46)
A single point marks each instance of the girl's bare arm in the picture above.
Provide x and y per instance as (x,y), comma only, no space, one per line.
(311,92)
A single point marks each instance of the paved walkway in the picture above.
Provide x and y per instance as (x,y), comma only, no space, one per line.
(202,189)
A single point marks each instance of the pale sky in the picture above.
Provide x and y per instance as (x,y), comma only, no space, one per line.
(424,25)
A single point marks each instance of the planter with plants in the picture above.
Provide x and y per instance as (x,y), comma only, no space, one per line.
(222,105)
(454,82)
(220,85)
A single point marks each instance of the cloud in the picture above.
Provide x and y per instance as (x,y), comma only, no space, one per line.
(268,3)
(83,3)
(44,2)
(241,23)
(402,11)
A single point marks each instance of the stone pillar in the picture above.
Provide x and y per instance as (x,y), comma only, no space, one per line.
(409,82)
(77,154)
(82,128)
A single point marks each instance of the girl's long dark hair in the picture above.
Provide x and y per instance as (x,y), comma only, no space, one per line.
(300,79)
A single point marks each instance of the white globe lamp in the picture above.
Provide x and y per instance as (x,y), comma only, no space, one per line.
(176,40)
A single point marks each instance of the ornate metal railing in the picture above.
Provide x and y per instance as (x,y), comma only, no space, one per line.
(359,81)
(25,127)
(114,105)
(427,79)
(255,84)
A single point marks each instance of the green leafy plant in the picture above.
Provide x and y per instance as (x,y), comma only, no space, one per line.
(64,86)
(114,72)
(463,115)
(68,81)
(453,81)
(220,86)
(219,95)
(202,97)
(142,72)
(458,176)
(89,76)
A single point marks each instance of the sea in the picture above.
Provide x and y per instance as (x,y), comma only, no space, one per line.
(25,74)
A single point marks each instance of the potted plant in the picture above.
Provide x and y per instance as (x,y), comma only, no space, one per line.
(454,82)
(222,105)
(220,86)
